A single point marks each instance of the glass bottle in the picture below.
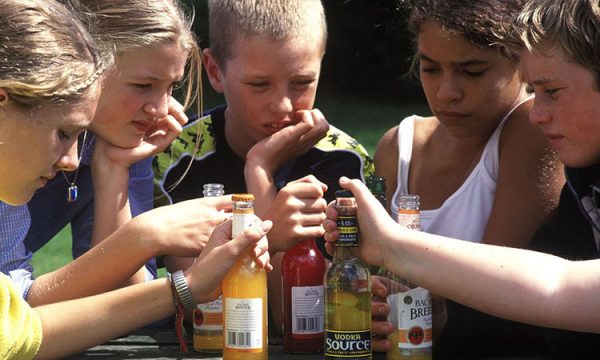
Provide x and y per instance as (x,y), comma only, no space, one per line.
(347,290)
(244,296)
(303,268)
(410,305)
(208,318)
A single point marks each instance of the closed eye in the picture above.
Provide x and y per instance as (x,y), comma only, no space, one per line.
(63,135)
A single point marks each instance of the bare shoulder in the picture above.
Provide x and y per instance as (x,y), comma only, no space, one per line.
(386,153)
(519,132)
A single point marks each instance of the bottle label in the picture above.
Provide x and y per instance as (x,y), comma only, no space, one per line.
(348,230)
(413,311)
(244,324)
(209,316)
(344,344)
(410,219)
(242,220)
(308,310)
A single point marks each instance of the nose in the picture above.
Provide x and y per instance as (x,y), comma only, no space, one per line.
(69,160)
(282,103)
(539,114)
(449,90)
(158,107)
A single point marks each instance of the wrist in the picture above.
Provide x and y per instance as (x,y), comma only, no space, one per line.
(181,290)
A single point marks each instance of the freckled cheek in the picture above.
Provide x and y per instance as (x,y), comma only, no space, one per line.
(305,101)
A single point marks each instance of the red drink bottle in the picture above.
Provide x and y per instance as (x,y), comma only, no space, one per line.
(303,268)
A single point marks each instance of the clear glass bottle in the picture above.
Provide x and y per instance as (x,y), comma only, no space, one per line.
(410,305)
(302,271)
(244,296)
(347,290)
(208,318)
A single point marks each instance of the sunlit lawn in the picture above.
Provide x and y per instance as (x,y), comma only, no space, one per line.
(364,120)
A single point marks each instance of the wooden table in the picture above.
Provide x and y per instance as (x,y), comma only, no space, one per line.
(162,344)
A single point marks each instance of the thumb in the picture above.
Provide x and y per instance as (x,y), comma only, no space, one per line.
(363,196)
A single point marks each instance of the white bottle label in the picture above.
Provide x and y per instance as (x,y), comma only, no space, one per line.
(413,311)
(244,323)
(211,316)
(308,307)
(241,221)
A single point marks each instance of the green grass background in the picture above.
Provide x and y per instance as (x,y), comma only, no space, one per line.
(364,120)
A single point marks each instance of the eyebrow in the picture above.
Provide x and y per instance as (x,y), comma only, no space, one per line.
(541,81)
(155,79)
(460,63)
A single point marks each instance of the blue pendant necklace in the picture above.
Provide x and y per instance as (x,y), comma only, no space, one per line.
(72,190)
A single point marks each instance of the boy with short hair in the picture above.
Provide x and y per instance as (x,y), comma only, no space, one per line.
(265,57)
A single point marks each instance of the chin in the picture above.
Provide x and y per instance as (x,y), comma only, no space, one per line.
(18,200)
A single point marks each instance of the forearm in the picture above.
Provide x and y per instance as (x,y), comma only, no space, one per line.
(75,325)
(259,181)
(111,203)
(516,284)
(105,267)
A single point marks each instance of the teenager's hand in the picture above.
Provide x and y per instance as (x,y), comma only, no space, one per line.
(379,312)
(375,224)
(297,213)
(289,142)
(159,136)
(182,229)
(221,253)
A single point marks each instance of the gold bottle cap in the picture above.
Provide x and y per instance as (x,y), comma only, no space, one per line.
(242,197)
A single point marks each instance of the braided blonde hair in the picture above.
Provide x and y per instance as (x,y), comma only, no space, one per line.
(46,54)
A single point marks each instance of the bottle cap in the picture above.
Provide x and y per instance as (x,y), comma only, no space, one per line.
(242,197)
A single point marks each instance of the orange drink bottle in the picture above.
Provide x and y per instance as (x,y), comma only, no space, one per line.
(410,305)
(244,296)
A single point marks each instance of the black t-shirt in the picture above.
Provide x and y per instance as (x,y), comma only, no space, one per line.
(569,234)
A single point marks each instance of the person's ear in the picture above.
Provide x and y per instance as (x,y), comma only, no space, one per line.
(213,70)
(3,95)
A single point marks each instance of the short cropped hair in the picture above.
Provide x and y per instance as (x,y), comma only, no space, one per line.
(231,20)
(572,25)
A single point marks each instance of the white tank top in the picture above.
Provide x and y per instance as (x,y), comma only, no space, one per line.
(464,215)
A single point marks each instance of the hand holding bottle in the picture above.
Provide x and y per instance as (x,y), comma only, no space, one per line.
(380,326)
(221,253)
(297,213)
(375,225)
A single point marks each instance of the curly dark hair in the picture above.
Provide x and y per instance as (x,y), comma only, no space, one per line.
(484,23)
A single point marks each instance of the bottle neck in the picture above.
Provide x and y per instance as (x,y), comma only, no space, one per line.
(342,253)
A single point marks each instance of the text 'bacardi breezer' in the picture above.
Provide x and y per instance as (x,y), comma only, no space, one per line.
(410,305)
